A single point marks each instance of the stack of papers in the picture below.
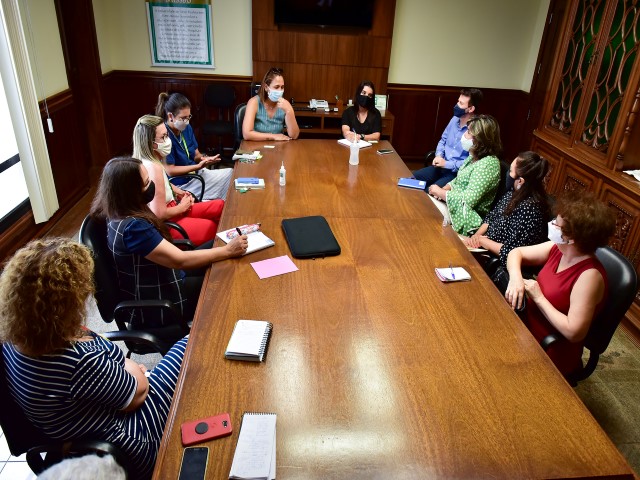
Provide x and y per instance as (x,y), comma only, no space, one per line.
(248,183)
(347,143)
(249,340)
(247,155)
(255,456)
(452,274)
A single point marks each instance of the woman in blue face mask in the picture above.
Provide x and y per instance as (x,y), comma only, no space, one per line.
(268,112)
(571,288)
(362,120)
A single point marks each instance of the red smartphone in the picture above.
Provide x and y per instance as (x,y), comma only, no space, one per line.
(204,429)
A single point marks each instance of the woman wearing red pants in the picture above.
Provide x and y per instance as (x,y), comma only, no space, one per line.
(151,144)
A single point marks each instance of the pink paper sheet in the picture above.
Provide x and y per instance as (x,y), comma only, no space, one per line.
(274,266)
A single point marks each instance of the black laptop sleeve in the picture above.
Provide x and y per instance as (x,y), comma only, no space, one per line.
(310,237)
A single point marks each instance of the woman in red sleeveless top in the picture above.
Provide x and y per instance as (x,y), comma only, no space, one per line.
(572,286)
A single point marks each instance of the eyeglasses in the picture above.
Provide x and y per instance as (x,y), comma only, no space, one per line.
(554,222)
(186,118)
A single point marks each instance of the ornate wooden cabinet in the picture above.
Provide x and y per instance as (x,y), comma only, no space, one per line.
(588,128)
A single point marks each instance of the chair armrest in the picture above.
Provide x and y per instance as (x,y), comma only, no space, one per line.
(178,228)
(549,340)
(165,306)
(139,337)
(193,176)
(184,244)
(57,451)
(428,158)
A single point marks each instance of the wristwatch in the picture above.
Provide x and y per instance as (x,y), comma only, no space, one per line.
(362,136)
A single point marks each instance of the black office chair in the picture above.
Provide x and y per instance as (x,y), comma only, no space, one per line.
(192,176)
(42,451)
(223,98)
(238,118)
(428,158)
(623,286)
(93,234)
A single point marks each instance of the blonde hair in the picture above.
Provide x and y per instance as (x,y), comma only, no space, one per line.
(43,292)
(144,134)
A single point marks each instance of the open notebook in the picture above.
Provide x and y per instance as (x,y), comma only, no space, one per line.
(257,240)
(255,455)
(347,143)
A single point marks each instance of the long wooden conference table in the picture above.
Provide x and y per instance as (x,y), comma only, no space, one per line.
(375,368)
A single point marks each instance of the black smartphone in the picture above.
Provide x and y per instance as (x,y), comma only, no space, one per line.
(384,151)
(194,463)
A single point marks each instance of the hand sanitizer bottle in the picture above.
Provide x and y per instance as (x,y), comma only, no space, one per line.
(354,156)
(283,175)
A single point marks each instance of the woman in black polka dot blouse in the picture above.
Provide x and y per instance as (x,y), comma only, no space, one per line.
(520,217)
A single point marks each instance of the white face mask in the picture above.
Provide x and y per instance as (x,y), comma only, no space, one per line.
(180,124)
(466,143)
(555,235)
(164,148)
(275,95)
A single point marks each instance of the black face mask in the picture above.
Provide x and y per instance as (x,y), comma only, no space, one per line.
(365,101)
(510,182)
(149,193)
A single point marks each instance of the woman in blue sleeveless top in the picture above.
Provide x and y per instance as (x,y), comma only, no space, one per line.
(268,112)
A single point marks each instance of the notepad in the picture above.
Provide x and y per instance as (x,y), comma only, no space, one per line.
(471,249)
(452,274)
(257,240)
(248,183)
(443,208)
(255,456)
(347,143)
(249,340)
(412,183)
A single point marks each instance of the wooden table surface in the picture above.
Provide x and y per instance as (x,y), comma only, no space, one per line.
(375,368)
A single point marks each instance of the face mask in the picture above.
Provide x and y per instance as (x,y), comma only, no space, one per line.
(458,111)
(149,193)
(510,185)
(365,101)
(466,143)
(275,95)
(164,148)
(180,124)
(555,235)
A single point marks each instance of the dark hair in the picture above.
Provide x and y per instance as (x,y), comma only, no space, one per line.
(586,220)
(365,83)
(267,79)
(171,103)
(533,168)
(120,194)
(486,134)
(475,96)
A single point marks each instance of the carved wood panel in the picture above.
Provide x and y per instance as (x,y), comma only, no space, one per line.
(575,178)
(555,159)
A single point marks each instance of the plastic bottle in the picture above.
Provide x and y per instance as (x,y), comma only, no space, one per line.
(283,175)
(354,156)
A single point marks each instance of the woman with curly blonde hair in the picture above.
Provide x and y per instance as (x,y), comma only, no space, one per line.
(44,289)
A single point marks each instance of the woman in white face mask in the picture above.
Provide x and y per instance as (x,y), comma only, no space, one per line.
(151,144)
(520,216)
(268,112)
(572,286)
(185,158)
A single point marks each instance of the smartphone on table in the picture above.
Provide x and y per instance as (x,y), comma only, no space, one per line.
(194,463)
(384,151)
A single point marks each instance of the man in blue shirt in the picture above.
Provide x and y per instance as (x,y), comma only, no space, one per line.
(449,153)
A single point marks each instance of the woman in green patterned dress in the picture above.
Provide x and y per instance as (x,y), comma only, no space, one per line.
(470,194)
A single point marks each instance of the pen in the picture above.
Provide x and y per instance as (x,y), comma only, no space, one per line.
(239,231)
(452,274)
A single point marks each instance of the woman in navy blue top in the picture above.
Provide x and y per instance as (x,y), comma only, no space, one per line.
(149,266)
(70,382)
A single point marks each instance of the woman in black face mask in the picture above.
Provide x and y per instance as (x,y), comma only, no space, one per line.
(363,120)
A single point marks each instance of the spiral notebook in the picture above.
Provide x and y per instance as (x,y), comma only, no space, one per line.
(255,455)
(249,340)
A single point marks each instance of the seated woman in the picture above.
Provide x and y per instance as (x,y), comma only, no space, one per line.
(520,217)
(572,286)
(362,120)
(149,266)
(184,157)
(470,194)
(268,112)
(151,144)
(98,393)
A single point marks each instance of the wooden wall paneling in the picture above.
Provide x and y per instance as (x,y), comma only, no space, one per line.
(555,159)
(574,177)
(627,211)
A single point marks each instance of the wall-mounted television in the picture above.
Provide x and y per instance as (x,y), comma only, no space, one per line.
(325,13)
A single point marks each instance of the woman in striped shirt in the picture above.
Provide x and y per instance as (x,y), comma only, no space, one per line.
(268,112)
(69,381)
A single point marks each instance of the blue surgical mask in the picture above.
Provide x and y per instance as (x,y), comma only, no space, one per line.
(458,111)
(275,95)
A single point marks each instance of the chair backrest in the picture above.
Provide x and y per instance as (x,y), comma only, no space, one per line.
(20,433)
(238,118)
(623,285)
(502,184)
(93,234)
(221,96)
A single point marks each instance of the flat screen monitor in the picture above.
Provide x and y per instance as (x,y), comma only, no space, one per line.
(325,13)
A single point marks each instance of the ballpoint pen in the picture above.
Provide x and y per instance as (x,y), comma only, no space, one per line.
(453,276)
(240,233)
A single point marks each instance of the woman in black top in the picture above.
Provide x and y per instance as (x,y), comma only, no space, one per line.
(520,217)
(363,119)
